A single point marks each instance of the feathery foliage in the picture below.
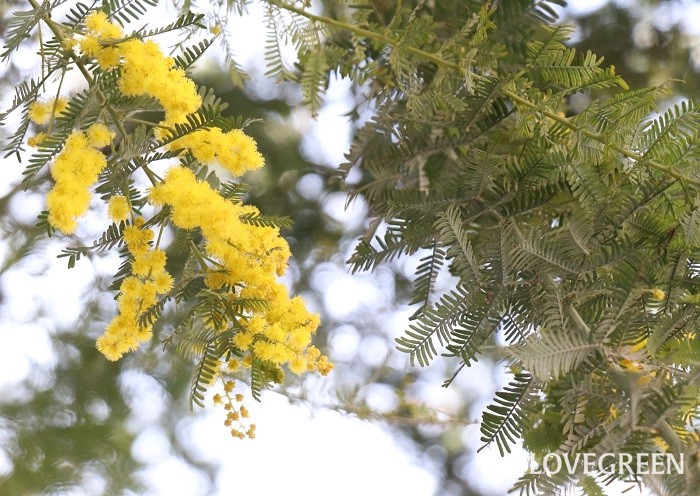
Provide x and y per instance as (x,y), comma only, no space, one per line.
(571,230)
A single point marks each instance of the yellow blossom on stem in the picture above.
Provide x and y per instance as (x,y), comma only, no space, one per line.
(99,135)
(146,71)
(234,150)
(138,293)
(90,46)
(118,208)
(98,23)
(235,413)
(324,365)
(251,432)
(60,105)
(36,140)
(69,43)
(657,294)
(144,68)
(252,257)
(109,58)
(99,31)
(163,282)
(75,169)
(41,112)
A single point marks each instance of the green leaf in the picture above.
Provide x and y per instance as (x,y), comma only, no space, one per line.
(504,420)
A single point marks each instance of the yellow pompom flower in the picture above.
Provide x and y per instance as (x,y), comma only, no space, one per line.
(109,58)
(66,203)
(41,112)
(36,140)
(90,46)
(101,30)
(163,282)
(110,347)
(137,239)
(98,23)
(118,208)
(657,294)
(69,43)
(60,105)
(99,135)
(297,365)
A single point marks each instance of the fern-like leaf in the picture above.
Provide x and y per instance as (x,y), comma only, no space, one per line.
(261,220)
(453,234)
(426,274)
(504,420)
(436,322)
(126,11)
(549,355)
(188,19)
(204,374)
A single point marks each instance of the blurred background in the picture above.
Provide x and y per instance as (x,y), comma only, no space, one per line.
(72,423)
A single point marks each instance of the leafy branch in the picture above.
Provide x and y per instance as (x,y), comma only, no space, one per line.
(520,100)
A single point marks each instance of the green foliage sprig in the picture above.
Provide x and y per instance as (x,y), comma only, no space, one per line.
(571,229)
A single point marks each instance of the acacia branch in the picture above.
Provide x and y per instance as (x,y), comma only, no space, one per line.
(436,59)
(57,30)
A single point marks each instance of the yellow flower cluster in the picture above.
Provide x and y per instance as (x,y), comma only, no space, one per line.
(282,334)
(251,257)
(144,68)
(246,259)
(138,293)
(249,253)
(236,412)
(41,112)
(99,41)
(146,71)
(235,151)
(75,169)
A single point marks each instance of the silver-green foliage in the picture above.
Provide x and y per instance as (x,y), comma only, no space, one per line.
(572,229)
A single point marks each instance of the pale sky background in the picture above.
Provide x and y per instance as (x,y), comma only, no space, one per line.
(306,451)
